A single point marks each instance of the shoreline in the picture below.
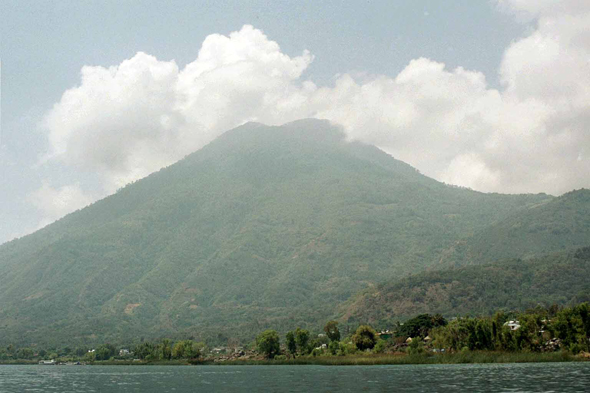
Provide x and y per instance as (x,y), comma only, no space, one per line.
(455,358)
(367,360)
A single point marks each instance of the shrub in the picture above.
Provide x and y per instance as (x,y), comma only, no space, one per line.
(416,347)
(364,338)
(381,346)
(347,349)
(333,347)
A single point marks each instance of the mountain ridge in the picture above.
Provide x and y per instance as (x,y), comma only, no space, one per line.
(263,227)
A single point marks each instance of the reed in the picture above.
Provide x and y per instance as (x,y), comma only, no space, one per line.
(450,358)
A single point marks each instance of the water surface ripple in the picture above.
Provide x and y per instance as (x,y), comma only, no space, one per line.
(532,377)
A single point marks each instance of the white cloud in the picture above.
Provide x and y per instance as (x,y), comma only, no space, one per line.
(128,120)
(54,203)
(532,135)
(538,8)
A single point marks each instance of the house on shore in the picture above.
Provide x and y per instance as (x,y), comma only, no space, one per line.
(513,325)
(384,334)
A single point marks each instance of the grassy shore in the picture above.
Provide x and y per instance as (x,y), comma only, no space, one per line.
(475,357)
(18,361)
(451,358)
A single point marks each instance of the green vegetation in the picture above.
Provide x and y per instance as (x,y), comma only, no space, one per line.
(302,340)
(533,333)
(268,343)
(420,326)
(540,334)
(560,278)
(332,331)
(448,358)
(364,338)
(165,350)
(291,343)
(266,227)
(162,352)
(551,334)
(563,223)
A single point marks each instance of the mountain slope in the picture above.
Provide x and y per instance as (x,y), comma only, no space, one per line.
(560,278)
(560,224)
(266,226)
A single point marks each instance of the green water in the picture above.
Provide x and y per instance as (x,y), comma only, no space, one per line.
(536,377)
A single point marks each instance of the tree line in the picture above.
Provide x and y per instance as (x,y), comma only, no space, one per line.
(160,350)
(299,343)
(535,330)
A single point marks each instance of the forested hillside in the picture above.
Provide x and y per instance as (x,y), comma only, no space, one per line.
(264,227)
(560,278)
(560,224)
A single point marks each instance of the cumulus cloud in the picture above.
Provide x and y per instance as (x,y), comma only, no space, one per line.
(537,8)
(531,135)
(128,120)
(55,203)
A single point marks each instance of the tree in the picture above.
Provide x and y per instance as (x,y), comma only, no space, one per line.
(381,346)
(198,349)
(105,352)
(268,343)
(572,326)
(421,325)
(291,344)
(302,339)
(334,347)
(584,312)
(166,349)
(178,350)
(25,353)
(364,337)
(416,347)
(145,350)
(566,325)
(332,331)
(186,349)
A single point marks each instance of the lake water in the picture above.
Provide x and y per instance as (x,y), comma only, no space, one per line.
(537,377)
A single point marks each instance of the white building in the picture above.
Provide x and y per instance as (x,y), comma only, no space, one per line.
(513,325)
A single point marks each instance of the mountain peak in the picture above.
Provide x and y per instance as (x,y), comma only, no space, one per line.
(312,130)
(264,223)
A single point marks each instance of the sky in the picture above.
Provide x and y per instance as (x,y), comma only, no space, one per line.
(493,95)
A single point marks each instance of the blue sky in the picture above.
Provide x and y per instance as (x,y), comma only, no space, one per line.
(45,45)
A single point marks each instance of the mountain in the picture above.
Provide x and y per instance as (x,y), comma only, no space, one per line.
(557,278)
(264,227)
(559,224)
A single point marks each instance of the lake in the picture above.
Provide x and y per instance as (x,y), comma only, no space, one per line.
(530,377)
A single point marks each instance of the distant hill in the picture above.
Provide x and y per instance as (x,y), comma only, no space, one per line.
(559,224)
(560,278)
(264,227)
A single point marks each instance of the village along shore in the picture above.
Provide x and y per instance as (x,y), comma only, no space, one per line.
(551,334)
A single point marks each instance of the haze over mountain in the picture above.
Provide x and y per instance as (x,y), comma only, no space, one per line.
(560,224)
(505,112)
(266,226)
